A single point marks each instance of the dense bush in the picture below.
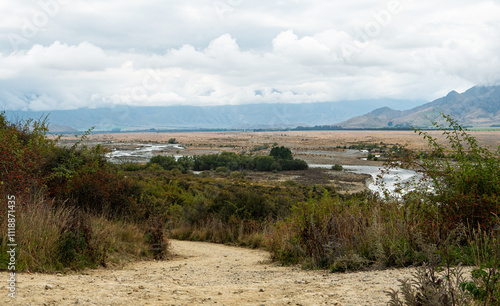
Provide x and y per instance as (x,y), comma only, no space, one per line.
(22,150)
(81,176)
(166,162)
(464,179)
(281,153)
(224,210)
(279,159)
(62,194)
(338,234)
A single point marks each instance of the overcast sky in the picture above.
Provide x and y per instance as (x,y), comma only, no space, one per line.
(66,54)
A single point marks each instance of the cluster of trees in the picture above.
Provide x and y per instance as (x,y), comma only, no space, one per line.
(280,158)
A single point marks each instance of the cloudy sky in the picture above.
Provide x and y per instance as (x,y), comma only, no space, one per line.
(66,54)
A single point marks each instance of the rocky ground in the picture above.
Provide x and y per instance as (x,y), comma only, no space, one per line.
(204,273)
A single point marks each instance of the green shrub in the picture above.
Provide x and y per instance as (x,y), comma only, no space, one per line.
(281,153)
(132,167)
(222,170)
(279,159)
(293,164)
(485,284)
(465,180)
(22,150)
(337,167)
(465,186)
(325,233)
(166,162)
(263,163)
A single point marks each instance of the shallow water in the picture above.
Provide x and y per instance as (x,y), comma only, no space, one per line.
(141,154)
(389,179)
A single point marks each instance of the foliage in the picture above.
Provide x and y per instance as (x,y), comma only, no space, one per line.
(408,228)
(485,284)
(80,176)
(464,187)
(75,247)
(429,287)
(166,162)
(281,153)
(464,177)
(60,192)
(322,232)
(225,209)
(281,160)
(22,149)
(337,167)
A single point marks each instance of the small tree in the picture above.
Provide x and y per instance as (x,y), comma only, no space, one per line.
(281,153)
(337,167)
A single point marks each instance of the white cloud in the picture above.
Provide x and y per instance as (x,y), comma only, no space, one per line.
(94,53)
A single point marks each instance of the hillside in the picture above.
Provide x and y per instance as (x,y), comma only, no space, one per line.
(477,107)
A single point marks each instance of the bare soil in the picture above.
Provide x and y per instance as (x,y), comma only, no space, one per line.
(205,273)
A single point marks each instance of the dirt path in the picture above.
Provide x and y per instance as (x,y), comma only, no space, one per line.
(205,273)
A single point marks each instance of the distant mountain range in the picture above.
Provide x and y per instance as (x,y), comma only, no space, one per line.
(478,107)
(250,116)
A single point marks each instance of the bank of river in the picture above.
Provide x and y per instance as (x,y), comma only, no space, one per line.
(138,152)
(389,180)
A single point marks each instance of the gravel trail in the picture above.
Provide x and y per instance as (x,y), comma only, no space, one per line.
(205,273)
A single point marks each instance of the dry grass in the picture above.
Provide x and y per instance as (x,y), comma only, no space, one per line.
(243,233)
(36,246)
(40,230)
(237,141)
(123,241)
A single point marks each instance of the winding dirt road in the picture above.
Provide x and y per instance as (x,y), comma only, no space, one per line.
(205,273)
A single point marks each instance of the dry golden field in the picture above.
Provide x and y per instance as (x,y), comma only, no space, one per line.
(299,141)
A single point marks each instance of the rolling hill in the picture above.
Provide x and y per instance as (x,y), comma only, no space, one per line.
(478,107)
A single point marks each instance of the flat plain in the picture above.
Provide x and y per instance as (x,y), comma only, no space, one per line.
(319,148)
(299,141)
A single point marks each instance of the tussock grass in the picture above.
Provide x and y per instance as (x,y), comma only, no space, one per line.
(37,233)
(122,241)
(44,242)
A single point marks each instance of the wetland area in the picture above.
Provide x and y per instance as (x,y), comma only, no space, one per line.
(320,149)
